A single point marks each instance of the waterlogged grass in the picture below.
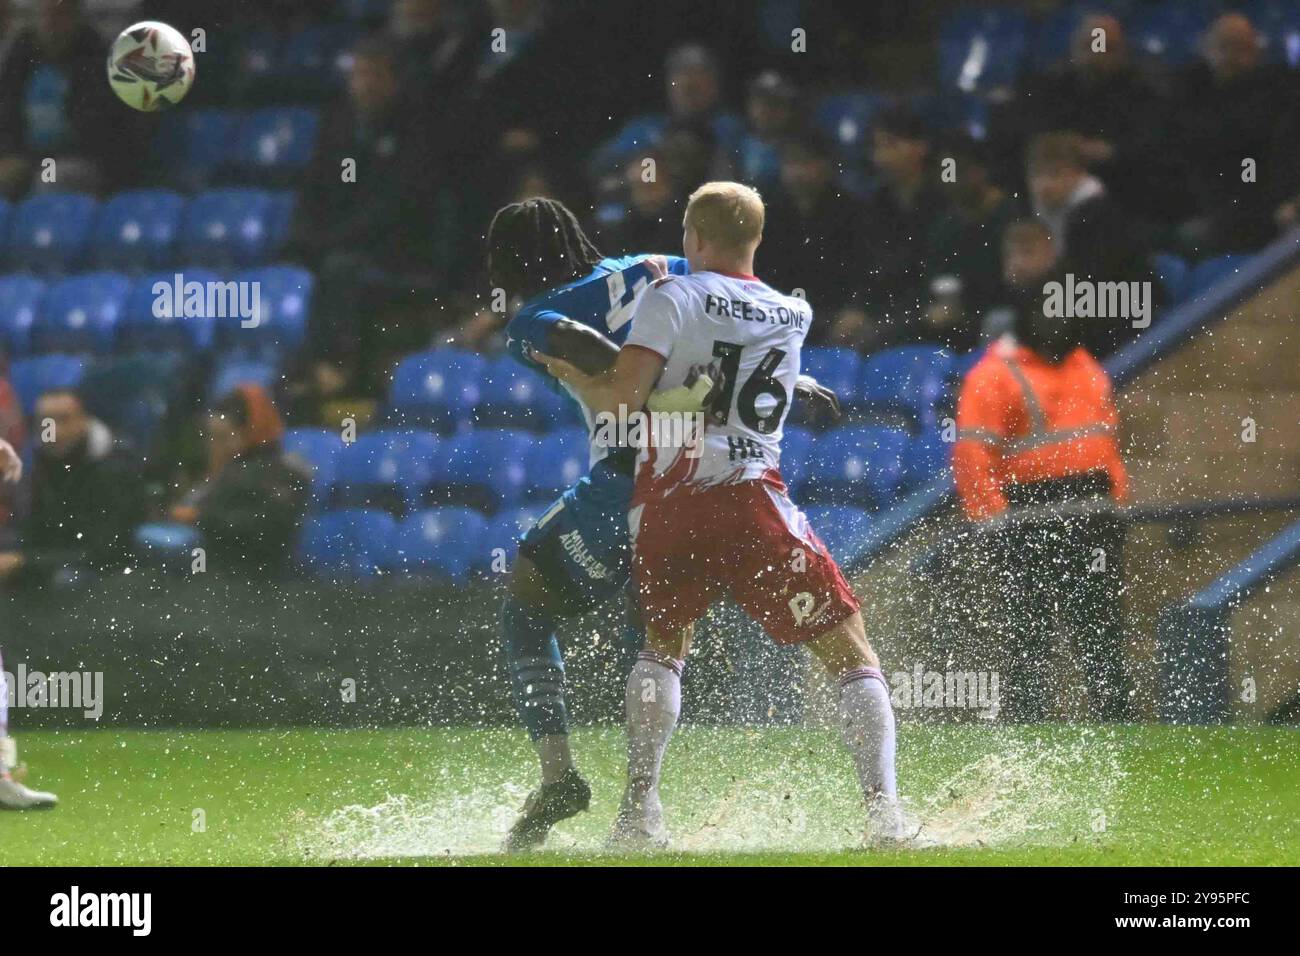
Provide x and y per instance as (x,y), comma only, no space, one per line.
(987,796)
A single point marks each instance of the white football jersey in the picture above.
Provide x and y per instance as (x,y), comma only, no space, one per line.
(754,334)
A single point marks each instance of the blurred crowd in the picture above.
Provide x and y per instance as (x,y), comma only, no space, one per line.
(920,230)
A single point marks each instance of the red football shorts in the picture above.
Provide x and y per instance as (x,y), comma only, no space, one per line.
(746,539)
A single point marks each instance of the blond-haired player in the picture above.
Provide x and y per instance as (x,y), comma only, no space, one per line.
(715,519)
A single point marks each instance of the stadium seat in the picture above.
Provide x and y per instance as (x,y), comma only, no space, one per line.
(136,230)
(1173,272)
(152,321)
(842,528)
(81,314)
(982,49)
(282,304)
(438,389)
(272,142)
(227,227)
(49,233)
(961,366)
(796,449)
(448,542)
(1210,272)
(318,450)
(846,117)
(1170,32)
(20,303)
(909,380)
(191,144)
(928,457)
(312,63)
(133,394)
(482,469)
(389,470)
(32,377)
(349,543)
(839,369)
(856,465)
(510,394)
(1278,23)
(556,460)
(234,372)
(283,203)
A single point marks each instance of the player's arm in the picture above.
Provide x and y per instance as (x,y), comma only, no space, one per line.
(822,399)
(581,346)
(626,384)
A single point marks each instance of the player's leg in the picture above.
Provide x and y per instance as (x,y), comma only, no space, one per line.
(866,719)
(653,701)
(14,795)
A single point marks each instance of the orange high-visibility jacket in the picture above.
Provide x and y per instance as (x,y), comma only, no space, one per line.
(1021,419)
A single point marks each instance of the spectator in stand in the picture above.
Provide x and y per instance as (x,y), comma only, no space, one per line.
(1118,114)
(1228,109)
(433,46)
(962,248)
(694,91)
(1038,472)
(653,221)
(55,104)
(1094,236)
(773,114)
(84,499)
(249,505)
(814,231)
(375,244)
(905,206)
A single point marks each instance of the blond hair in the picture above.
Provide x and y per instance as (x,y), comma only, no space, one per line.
(727,214)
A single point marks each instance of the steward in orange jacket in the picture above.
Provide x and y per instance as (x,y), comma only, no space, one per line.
(1038,471)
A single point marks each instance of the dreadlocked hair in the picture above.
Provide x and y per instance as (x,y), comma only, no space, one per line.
(536,244)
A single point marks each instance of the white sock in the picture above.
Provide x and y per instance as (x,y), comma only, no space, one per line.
(867,727)
(654,700)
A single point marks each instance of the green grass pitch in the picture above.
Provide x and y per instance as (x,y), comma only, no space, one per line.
(987,794)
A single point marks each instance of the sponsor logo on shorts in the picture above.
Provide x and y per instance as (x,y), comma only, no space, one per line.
(576,549)
(805,609)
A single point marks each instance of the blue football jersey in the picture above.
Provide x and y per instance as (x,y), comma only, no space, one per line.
(603,300)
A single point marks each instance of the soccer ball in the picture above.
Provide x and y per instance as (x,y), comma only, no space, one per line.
(150,66)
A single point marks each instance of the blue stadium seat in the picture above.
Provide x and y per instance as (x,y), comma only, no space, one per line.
(284,295)
(235,372)
(49,233)
(508,527)
(283,203)
(81,314)
(1172,271)
(796,450)
(227,227)
(136,230)
(961,365)
(839,369)
(152,321)
(277,138)
(1171,31)
(846,117)
(439,388)
(20,303)
(351,543)
(909,379)
(510,394)
(191,144)
(928,458)
(1278,22)
(556,461)
(259,53)
(318,450)
(32,377)
(857,465)
(388,469)
(6,211)
(483,469)
(842,528)
(1209,272)
(447,542)
(312,62)
(982,49)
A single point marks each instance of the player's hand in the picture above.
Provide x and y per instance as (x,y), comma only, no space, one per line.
(823,400)
(657,266)
(11,463)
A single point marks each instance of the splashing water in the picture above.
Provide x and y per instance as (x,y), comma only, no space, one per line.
(1024,791)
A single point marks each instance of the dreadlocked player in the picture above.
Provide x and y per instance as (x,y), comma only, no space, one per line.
(578,306)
